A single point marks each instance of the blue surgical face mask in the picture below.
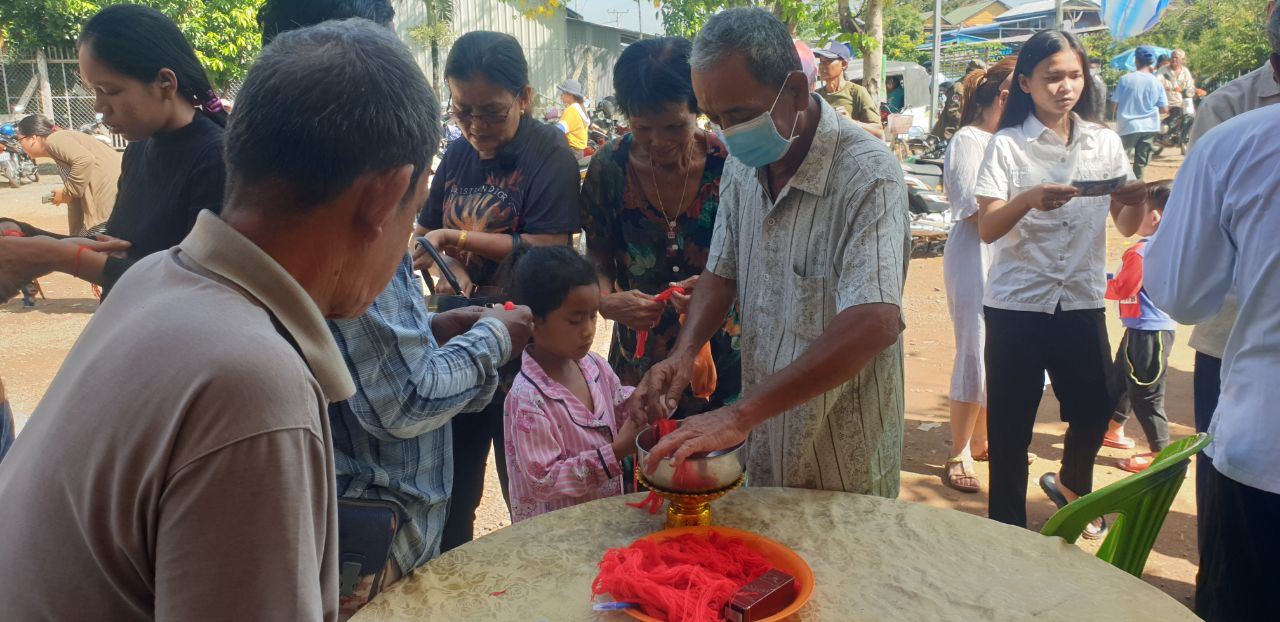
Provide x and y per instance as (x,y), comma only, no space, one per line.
(757,142)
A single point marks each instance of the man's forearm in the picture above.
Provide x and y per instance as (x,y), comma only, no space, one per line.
(708,308)
(855,337)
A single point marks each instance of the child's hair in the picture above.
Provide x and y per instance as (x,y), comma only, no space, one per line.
(1042,45)
(139,41)
(541,276)
(1158,194)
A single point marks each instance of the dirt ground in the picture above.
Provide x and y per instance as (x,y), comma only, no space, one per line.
(35,342)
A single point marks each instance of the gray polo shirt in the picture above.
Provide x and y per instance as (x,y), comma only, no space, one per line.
(835,238)
(180,466)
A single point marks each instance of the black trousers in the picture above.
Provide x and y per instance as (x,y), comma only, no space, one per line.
(473,434)
(1141,365)
(1207,383)
(1021,346)
(1238,571)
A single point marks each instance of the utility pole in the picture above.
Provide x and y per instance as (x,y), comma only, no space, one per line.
(617,17)
(640,18)
(1057,19)
(937,62)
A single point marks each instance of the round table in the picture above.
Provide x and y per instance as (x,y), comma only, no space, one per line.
(872,559)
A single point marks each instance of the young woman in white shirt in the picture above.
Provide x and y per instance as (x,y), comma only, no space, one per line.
(964,269)
(1044,304)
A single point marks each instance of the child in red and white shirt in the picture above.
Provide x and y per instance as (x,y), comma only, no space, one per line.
(566,424)
(1143,358)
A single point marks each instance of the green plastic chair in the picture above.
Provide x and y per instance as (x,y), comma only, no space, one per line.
(1141,502)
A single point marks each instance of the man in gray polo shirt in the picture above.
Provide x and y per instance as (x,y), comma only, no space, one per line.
(181,465)
(812,241)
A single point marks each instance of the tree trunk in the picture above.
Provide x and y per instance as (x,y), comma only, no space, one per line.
(848,25)
(873,47)
(435,67)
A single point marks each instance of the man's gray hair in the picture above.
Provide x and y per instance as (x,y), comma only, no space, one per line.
(754,33)
(1273,29)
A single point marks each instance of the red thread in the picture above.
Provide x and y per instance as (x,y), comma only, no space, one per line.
(508,306)
(499,593)
(75,266)
(687,578)
(642,338)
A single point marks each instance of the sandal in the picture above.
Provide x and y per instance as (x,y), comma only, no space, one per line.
(1097,528)
(1136,463)
(986,456)
(962,480)
(1118,442)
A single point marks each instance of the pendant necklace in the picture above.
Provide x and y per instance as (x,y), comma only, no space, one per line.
(672,247)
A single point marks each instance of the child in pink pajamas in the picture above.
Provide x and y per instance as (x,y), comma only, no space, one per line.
(567,427)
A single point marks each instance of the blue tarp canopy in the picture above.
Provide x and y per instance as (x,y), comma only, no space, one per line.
(1124,61)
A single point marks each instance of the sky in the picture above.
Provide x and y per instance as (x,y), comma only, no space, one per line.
(598,11)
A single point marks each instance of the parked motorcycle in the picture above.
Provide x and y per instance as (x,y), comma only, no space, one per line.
(1175,131)
(15,164)
(98,130)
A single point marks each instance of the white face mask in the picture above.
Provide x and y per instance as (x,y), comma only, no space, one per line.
(757,142)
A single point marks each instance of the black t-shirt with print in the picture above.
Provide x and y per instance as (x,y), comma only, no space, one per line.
(531,187)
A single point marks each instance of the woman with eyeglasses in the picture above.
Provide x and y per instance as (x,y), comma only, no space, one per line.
(511,182)
(90,171)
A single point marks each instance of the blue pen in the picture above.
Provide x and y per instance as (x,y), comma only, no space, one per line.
(614,606)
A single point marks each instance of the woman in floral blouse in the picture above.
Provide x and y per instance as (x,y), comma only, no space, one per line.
(649,208)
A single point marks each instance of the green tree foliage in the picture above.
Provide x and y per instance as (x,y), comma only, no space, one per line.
(1223,38)
(224,33)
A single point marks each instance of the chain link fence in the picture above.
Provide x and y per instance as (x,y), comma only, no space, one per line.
(17,84)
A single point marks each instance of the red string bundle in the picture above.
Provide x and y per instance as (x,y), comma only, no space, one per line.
(642,338)
(687,578)
(653,502)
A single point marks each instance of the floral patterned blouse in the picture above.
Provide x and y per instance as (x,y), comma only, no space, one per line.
(628,231)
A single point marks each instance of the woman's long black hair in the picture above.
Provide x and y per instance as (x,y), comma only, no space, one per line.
(139,41)
(1044,44)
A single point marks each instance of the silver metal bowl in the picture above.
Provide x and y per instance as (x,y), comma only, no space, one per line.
(701,472)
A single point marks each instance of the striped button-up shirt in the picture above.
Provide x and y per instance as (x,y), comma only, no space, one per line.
(392,439)
(559,452)
(835,238)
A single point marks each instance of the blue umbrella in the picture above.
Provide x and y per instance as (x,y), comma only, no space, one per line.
(1124,61)
(1129,18)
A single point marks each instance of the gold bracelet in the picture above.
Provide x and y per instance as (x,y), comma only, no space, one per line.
(462,240)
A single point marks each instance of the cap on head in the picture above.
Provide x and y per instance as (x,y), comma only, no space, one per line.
(834,51)
(1144,56)
(572,87)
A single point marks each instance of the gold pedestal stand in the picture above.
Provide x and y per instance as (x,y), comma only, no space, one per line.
(688,509)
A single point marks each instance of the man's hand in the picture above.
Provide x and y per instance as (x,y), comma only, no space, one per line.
(445,326)
(719,429)
(681,301)
(23,260)
(633,309)
(659,392)
(519,323)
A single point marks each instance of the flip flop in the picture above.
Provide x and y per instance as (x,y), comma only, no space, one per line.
(1137,463)
(1097,528)
(954,480)
(1126,442)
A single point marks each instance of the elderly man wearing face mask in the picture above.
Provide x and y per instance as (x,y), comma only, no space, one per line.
(811,239)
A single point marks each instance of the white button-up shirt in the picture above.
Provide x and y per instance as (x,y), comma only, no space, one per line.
(1220,229)
(1057,257)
